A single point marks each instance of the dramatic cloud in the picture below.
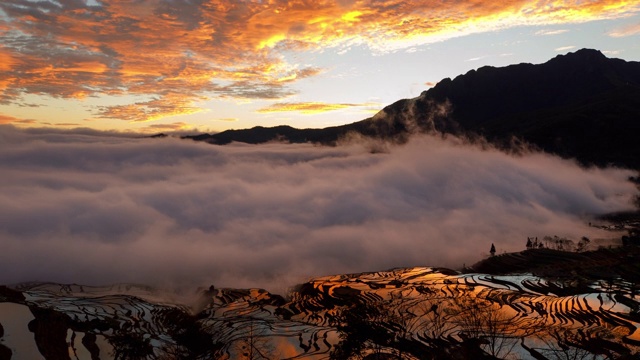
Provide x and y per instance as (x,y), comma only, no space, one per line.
(76,207)
(172,54)
(311,107)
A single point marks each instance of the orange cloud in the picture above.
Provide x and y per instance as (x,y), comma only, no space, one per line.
(307,107)
(6,119)
(6,59)
(629,30)
(222,48)
(167,105)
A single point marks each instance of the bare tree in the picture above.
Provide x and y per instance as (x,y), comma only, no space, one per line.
(131,346)
(254,343)
(583,244)
(363,330)
(431,318)
(486,321)
(563,344)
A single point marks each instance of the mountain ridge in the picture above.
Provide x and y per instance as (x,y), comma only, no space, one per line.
(581,105)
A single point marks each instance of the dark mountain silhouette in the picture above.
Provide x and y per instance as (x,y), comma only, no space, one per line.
(581,105)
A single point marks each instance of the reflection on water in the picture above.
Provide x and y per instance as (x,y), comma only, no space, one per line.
(403,311)
(14,318)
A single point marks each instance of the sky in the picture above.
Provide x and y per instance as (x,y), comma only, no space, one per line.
(154,66)
(91,208)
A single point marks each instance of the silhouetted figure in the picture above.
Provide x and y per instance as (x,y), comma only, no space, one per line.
(493,250)
(529,243)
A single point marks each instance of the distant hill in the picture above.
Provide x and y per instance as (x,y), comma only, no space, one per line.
(581,105)
(601,264)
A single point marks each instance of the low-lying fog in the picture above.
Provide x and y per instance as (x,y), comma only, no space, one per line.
(88,209)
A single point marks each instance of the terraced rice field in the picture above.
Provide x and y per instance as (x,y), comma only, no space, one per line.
(409,313)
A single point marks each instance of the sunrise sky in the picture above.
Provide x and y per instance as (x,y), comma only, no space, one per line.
(210,65)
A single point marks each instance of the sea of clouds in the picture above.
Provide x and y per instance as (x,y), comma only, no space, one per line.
(97,208)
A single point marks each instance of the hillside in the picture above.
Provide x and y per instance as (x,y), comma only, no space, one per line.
(581,105)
